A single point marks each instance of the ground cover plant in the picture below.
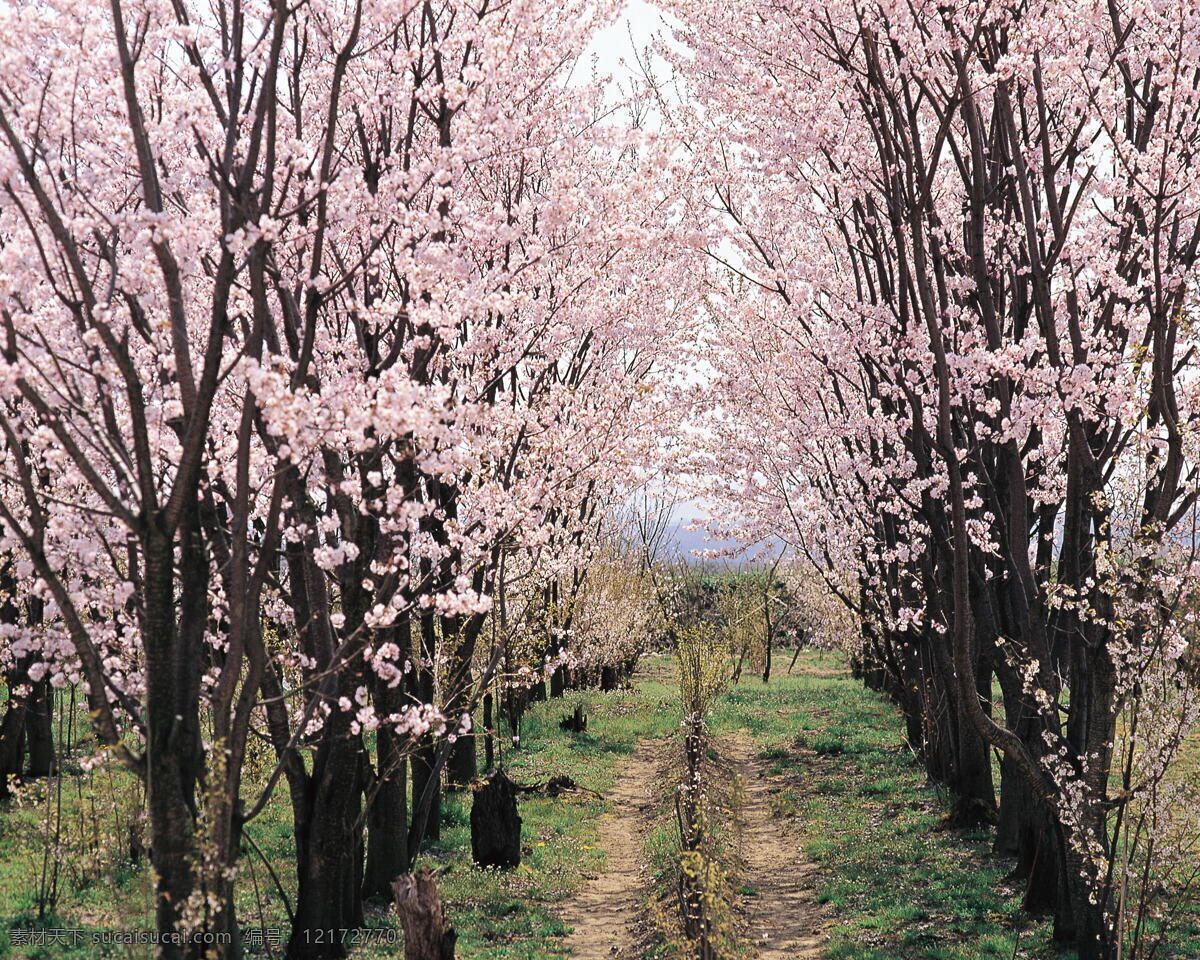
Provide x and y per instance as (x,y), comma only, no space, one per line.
(386,386)
(498,914)
(898,881)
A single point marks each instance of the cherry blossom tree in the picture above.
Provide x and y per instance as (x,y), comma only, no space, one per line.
(311,315)
(956,273)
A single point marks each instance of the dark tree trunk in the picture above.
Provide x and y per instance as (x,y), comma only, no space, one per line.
(1089,928)
(427,788)
(1024,828)
(575,721)
(387,815)
(937,723)
(905,688)
(489,738)
(1040,861)
(12,740)
(328,828)
(39,729)
(1009,816)
(770,631)
(962,760)
(427,793)
(330,873)
(39,720)
(461,764)
(12,728)
(975,800)
(170,759)
(516,699)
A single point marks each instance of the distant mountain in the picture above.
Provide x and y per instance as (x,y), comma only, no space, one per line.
(686,540)
(680,540)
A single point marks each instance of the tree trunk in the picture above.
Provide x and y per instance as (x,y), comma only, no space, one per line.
(516,699)
(330,873)
(170,751)
(770,631)
(39,720)
(387,813)
(426,784)
(489,738)
(427,933)
(1041,862)
(937,724)
(1090,930)
(1014,799)
(39,729)
(12,728)
(609,680)
(461,764)
(975,803)
(427,792)
(959,756)
(12,739)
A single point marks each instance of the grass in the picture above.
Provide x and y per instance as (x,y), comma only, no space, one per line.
(895,886)
(512,915)
(499,915)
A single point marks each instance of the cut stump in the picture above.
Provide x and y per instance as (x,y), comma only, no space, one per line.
(575,722)
(495,823)
(427,933)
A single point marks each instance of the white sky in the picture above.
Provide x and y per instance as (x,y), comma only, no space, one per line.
(614,49)
(640,21)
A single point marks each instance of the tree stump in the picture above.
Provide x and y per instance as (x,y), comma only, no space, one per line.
(575,722)
(495,823)
(427,933)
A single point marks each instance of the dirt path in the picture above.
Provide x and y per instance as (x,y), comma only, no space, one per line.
(784,920)
(603,913)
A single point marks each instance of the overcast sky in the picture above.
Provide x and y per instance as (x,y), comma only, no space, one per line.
(640,21)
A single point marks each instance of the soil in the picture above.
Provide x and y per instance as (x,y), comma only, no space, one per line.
(605,911)
(782,918)
(784,922)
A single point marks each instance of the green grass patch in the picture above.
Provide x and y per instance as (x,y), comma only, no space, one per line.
(512,915)
(894,887)
(500,915)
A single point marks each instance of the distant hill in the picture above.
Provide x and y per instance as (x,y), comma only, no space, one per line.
(686,540)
